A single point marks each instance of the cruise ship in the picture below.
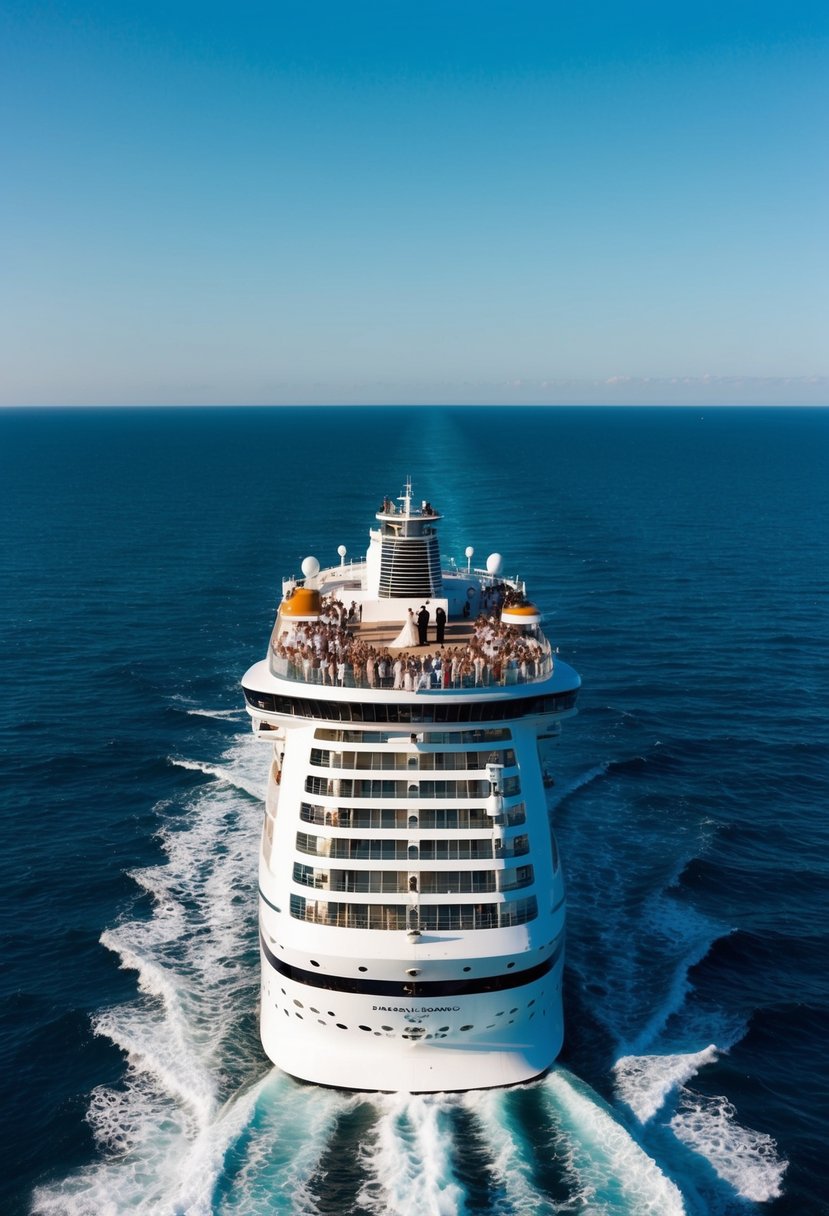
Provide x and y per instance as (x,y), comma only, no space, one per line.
(412,903)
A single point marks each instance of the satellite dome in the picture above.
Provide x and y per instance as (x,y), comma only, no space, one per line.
(494,563)
(310,567)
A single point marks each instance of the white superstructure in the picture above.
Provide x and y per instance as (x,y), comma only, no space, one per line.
(411,898)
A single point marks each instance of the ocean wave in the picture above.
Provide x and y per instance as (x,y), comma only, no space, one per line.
(644,1082)
(615,1174)
(228,775)
(579,782)
(748,1160)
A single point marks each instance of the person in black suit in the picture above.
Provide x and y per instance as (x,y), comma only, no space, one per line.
(440,622)
(423,625)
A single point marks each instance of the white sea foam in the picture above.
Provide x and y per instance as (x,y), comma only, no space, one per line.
(186,705)
(229,775)
(158,1038)
(615,1175)
(409,1160)
(644,1082)
(159,1164)
(748,1160)
(190,1087)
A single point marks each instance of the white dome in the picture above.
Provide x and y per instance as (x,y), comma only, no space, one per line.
(494,563)
(310,567)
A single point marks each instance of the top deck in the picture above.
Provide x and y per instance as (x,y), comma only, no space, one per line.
(342,646)
(355,625)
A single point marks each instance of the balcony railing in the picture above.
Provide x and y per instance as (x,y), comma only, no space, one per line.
(490,676)
(436,918)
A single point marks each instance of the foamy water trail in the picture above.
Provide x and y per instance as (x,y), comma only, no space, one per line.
(513,1166)
(685,937)
(193,1064)
(271,1169)
(199,711)
(409,1161)
(644,1082)
(576,783)
(229,775)
(746,1159)
(615,1175)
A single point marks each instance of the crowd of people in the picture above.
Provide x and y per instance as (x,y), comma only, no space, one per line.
(328,651)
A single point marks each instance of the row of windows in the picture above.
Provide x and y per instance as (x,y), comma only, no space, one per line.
(424,762)
(365,787)
(423,710)
(428,882)
(428,818)
(434,917)
(401,850)
(496,734)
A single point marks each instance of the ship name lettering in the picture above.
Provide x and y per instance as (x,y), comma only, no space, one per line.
(414,1009)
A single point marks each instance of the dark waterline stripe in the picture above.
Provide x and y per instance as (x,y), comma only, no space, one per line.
(339,983)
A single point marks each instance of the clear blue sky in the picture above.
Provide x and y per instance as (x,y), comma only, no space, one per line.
(447,201)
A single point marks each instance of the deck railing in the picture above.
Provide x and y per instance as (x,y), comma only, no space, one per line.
(490,676)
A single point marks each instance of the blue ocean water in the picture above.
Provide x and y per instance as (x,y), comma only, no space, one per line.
(681,560)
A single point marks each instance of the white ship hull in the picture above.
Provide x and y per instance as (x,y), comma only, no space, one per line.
(328,1047)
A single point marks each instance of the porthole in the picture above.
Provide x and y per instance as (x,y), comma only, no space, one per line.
(297,1015)
(362,968)
(510,965)
(467,968)
(298,1004)
(340,1026)
(466,1027)
(322,1021)
(368,1028)
(531,1004)
(514,1010)
(388,1028)
(331,1013)
(500,1013)
(285,1011)
(314,962)
(443,1028)
(312,1009)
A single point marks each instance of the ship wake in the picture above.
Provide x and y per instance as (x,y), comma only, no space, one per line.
(201,1125)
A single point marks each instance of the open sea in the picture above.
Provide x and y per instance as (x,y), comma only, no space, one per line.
(681,559)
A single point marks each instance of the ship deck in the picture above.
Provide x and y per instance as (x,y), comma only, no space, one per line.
(380,635)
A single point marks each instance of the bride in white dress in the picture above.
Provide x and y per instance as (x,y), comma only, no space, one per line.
(408,635)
